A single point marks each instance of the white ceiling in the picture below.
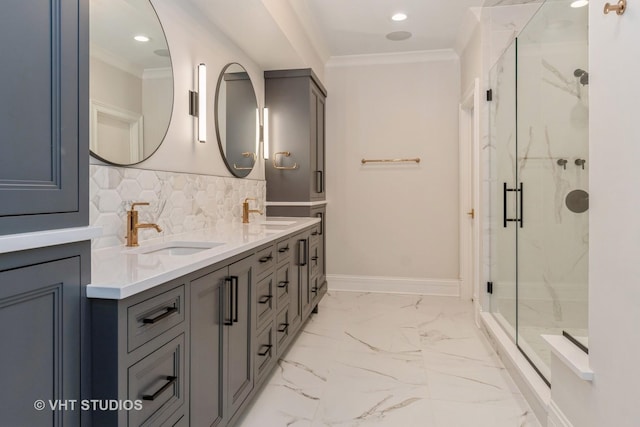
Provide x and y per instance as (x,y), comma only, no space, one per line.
(356,27)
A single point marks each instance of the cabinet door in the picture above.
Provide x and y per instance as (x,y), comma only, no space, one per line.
(43,115)
(317,144)
(207,295)
(40,329)
(238,335)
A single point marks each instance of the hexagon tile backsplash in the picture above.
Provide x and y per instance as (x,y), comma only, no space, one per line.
(179,202)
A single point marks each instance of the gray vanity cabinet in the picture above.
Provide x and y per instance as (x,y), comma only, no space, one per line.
(221,343)
(296,102)
(41,317)
(140,352)
(44,148)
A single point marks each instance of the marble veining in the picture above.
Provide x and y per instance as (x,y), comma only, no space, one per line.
(390,360)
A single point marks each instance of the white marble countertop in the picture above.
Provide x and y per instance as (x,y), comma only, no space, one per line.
(39,239)
(120,272)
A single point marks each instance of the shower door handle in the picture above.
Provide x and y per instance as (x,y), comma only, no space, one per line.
(521,205)
(505,190)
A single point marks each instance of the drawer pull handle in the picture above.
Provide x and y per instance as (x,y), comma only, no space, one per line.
(266,258)
(283,284)
(265,299)
(283,327)
(283,250)
(169,311)
(154,396)
(267,350)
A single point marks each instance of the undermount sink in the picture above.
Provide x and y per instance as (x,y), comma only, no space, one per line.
(175,248)
(275,223)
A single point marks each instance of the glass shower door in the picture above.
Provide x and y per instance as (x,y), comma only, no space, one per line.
(501,178)
(551,164)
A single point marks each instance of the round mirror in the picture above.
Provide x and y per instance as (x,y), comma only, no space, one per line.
(237,123)
(130,81)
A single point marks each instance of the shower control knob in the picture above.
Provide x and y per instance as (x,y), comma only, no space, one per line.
(580,162)
(562,162)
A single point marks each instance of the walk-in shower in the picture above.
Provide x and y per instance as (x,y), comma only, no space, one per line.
(538,175)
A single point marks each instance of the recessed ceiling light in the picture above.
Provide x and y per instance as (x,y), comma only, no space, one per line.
(141,38)
(399,17)
(397,36)
(580,3)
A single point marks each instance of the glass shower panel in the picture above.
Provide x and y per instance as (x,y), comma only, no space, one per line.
(501,152)
(552,165)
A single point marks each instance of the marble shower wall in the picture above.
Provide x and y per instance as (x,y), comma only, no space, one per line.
(179,202)
(552,126)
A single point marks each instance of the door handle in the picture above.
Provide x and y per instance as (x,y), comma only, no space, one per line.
(472,213)
(230,321)
(234,279)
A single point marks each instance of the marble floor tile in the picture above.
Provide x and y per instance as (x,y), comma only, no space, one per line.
(371,359)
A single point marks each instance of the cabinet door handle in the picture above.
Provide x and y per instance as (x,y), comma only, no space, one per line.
(314,258)
(283,250)
(169,311)
(302,258)
(319,182)
(154,396)
(283,284)
(314,289)
(266,259)
(267,350)
(321,216)
(265,299)
(230,321)
(235,280)
(283,327)
(315,233)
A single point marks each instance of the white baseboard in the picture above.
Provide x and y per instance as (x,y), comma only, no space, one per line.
(556,417)
(394,285)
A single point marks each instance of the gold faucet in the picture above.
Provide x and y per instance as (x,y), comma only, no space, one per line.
(246,211)
(133,226)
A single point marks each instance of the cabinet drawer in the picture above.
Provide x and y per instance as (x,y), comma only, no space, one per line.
(283,282)
(282,330)
(284,251)
(318,289)
(316,234)
(265,301)
(265,260)
(315,260)
(158,381)
(265,351)
(150,318)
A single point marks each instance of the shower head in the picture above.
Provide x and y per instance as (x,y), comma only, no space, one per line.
(584,76)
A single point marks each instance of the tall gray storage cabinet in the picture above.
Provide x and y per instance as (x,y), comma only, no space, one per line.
(296,102)
(44,115)
(44,183)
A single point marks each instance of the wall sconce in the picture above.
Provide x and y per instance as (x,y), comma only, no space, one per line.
(265,132)
(198,103)
(262,132)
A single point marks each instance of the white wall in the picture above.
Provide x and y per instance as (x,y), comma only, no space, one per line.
(393,220)
(614,294)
